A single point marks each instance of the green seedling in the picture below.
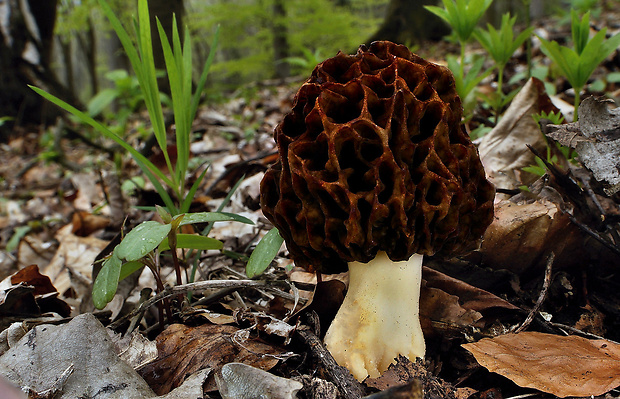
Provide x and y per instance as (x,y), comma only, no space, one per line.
(178,58)
(501,45)
(553,117)
(306,62)
(578,63)
(462,16)
(466,82)
(143,245)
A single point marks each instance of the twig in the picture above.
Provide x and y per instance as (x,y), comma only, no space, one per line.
(614,248)
(541,296)
(581,333)
(348,386)
(199,287)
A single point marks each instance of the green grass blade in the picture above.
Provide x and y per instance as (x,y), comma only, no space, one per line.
(187,201)
(205,71)
(142,161)
(265,251)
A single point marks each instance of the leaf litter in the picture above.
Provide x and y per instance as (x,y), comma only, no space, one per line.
(481,299)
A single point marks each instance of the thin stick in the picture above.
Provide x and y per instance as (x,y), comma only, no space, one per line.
(348,386)
(199,287)
(541,296)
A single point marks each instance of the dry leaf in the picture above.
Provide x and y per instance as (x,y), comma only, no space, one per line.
(44,353)
(522,235)
(74,253)
(562,366)
(184,350)
(240,381)
(470,297)
(503,150)
(596,138)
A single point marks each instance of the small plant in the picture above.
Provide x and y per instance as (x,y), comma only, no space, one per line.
(578,63)
(462,16)
(178,58)
(142,247)
(306,62)
(501,45)
(553,117)
(467,82)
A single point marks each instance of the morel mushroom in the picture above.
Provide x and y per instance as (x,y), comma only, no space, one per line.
(375,171)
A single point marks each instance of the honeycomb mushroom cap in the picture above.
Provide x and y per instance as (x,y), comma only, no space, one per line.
(372,158)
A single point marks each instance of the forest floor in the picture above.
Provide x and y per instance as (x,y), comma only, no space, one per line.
(535,312)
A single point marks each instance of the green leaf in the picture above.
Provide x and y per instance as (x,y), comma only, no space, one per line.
(18,234)
(141,240)
(204,217)
(193,241)
(265,251)
(187,202)
(106,283)
(129,268)
(101,100)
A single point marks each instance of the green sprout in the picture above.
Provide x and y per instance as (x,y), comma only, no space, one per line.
(577,64)
(501,45)
(142,245)
(462,16)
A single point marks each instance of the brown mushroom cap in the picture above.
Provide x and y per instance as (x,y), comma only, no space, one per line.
(372,158)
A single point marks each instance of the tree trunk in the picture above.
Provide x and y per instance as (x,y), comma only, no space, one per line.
(407,22)
(164,10)
(280,40)
(26,38)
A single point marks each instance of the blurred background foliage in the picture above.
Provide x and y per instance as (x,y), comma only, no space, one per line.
(67,48)
(248,49)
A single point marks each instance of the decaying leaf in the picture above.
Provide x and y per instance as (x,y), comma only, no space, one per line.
(470,297)
(522,235)
(43,354)
(240,381)
(74,253)
(596,138)
(184,350)
(28,293)
(559,365)
(503,150)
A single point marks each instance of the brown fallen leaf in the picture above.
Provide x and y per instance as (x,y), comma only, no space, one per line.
(184,350)
(522,235)
(470,297)
(596,139)
(503,150)
(562,366)
(85,223)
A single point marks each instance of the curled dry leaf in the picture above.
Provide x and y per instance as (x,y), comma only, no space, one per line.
(240,381)
(596,138)
(562,366)
(28,293)
(184,350)
(503,150)
(522,235)
(470,298)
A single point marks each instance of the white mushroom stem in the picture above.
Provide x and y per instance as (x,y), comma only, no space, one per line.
(380,316)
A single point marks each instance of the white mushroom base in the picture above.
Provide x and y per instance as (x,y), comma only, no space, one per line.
(379,318)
